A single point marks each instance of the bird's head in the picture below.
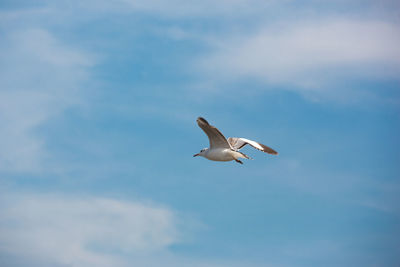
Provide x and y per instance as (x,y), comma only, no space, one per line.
(201,153)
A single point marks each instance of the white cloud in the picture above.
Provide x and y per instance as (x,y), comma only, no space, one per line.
(88,231)
(39,78)
(309,55)
(65,230)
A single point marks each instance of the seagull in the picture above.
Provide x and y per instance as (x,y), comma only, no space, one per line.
(222,149)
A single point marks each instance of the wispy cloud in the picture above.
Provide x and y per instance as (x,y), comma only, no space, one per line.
(40,76)
(83,231)
(68,230)
(311,55)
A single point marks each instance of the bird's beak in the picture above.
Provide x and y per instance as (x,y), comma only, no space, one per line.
(195,155)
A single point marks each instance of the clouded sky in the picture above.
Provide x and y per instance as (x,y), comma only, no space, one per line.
(98,107)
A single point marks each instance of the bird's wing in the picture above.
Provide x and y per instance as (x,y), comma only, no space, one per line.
(216,138)
(237,143)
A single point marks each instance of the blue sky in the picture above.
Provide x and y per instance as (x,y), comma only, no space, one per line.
(98,106)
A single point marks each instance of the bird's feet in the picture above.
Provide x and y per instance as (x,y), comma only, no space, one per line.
(238,161)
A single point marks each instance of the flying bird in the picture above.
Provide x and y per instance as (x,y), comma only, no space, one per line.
(222,149)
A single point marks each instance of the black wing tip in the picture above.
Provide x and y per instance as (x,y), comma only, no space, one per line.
(202,120)
(268,150)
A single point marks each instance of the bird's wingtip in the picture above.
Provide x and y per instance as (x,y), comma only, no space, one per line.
(273,152)
(201,119)
(268,150)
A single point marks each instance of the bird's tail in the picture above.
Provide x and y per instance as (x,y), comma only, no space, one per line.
(244,155)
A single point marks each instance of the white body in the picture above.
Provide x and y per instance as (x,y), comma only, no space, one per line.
(221,154)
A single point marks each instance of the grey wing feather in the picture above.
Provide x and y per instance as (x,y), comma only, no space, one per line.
(216,138)
(237,143)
